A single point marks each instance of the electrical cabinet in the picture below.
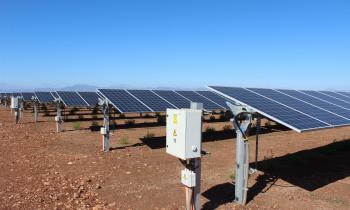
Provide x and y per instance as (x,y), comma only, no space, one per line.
(14,102)
(184,133)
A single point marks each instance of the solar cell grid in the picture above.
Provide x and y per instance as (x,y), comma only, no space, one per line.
(124,101)
(174,98)
(152,100)
(336,95)
(215,97)
(347,94)
(195,97)
(317,102)
(54,94)
(71,99)
(327,98)
(303,107)
(90,97)
(44,97)
(28,96)
(280,113)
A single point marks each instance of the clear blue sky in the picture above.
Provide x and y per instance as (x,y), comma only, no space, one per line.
(179,43)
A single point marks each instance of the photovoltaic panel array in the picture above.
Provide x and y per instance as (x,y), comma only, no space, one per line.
(28,96)
(151,100)
(71,99)
(317,102)
(195,97)
(328,98)
(54,94)
(124,101)
(90,97)
(174,98)
(347,94)
(218,99)
(299,110)
(337,95)
(44,97)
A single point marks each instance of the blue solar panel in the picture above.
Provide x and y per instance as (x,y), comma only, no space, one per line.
(303,107)
(318,102)
(195,97)
(44,97)
(71,99)
(28,96)
(336,95)
(124,101)
(347,94)
(16,94)
(327,98)
(153,101)
(90,97)
(278,112)
(215,97)
(174,98)
(54,94)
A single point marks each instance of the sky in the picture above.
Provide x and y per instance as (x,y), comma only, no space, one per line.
(296,44)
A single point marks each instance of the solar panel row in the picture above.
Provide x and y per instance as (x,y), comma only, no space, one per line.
(299,110)
(131,101)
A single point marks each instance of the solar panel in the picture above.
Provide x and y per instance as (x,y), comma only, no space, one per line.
(215,97)
(54,94)
(16,94)
(303,107)
(276,111)
(347,94)
(150,99)
(90,97)
(174,98)
(318,102)
(195,97)
(124,101)
(336,95)
(71,99)
(44,97)
(327,98)
(28,96)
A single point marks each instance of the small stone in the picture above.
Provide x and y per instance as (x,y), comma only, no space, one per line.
(70,163)
(98,186)
(128,172)
(112,204)
(46,183)
(75,195)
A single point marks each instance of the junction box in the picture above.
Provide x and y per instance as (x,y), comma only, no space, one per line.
(184,133)
(14,102)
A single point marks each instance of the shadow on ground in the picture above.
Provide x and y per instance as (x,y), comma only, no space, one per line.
(308,169)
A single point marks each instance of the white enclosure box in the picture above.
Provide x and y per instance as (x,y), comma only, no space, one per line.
(184,133)
(14,103)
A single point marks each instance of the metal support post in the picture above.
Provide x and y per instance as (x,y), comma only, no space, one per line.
(17,115)
(35,112)
(242,123)
(258,129)
(105,130)
(58,117)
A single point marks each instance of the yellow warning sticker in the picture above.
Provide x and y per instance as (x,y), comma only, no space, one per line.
(174,133)
(175,119)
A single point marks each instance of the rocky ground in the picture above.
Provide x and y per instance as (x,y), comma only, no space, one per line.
(42,169)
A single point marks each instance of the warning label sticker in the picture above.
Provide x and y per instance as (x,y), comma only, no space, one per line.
(175,119)
(174,133)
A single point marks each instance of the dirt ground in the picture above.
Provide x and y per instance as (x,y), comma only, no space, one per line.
(42,169)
